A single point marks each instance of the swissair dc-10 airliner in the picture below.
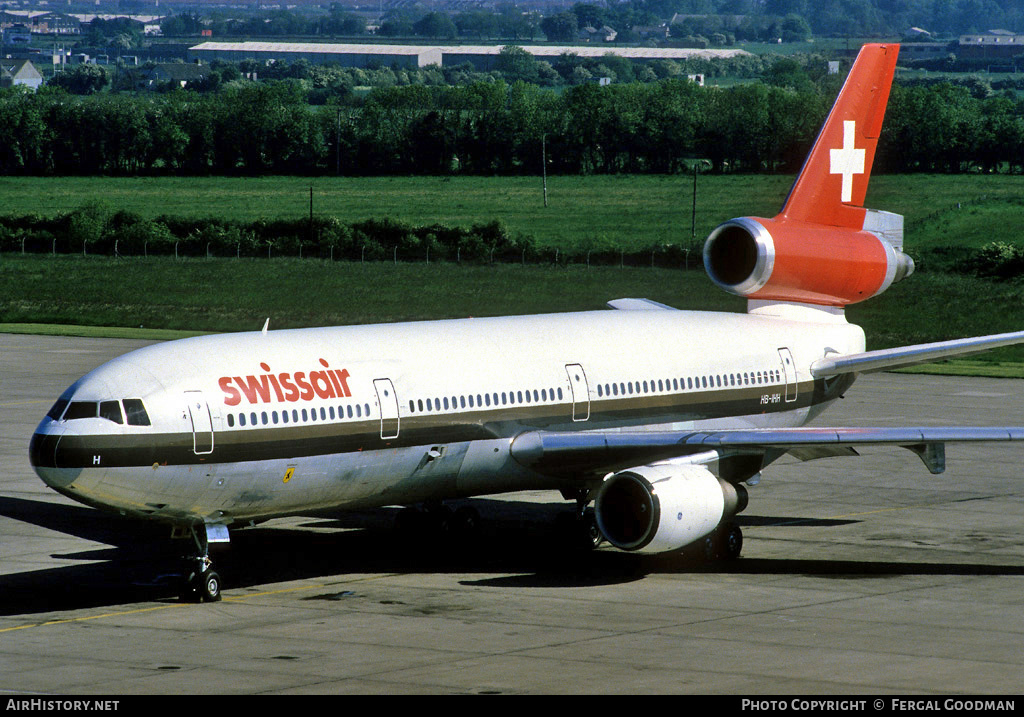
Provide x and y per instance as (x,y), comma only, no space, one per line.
(657,417)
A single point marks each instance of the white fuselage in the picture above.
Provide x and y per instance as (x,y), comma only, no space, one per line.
(253,425)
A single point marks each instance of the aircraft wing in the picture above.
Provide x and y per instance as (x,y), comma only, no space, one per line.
(885,359)
(560,452)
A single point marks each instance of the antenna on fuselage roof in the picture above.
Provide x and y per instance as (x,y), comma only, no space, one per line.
(265,325)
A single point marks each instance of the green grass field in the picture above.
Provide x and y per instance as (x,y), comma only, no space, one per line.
(239,295)
(595,211)
(622,211)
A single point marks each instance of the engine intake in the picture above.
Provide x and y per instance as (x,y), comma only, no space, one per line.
(773,259)
(658,508)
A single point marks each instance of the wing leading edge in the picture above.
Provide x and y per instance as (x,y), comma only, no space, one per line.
(885,359)
(593,451)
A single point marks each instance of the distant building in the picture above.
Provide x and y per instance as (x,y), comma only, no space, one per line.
(18,34)
(994,44)
(19,72)
(407,56)
(600,34)
(651,32)
(55,23)
(179,73)
(924,50)
(483,57)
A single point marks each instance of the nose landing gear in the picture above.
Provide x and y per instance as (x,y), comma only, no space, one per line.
(200,582)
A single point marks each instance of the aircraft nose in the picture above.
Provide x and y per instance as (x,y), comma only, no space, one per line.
(42,450)
(44,454)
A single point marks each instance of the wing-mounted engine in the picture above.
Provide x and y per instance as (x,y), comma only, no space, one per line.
(661,507)
(824,247)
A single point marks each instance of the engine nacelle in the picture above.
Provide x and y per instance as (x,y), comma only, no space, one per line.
(785,260)
(664,507)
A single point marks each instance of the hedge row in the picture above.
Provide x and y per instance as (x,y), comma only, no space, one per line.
(95,229)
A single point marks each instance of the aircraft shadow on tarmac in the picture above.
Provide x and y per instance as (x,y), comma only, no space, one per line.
(515,544)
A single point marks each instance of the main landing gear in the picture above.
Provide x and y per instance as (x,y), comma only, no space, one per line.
(725,543)
(438,521)
(578,530)
(200,582)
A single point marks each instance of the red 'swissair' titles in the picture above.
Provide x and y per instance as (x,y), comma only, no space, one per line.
(300,386)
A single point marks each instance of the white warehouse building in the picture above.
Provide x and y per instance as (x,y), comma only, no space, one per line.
(481,56)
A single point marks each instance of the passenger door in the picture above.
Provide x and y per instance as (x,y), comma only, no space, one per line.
(387,399)
(580,391)
(202,423)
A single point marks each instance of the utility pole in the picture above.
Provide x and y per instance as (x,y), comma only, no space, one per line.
(544,165)
(693,216)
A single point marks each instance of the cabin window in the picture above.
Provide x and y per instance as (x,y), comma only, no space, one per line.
(241,419)
(231,420)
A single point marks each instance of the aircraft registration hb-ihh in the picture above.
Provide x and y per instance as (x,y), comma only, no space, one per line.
(657,416)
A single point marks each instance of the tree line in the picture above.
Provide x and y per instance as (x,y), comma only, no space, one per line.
(489,128)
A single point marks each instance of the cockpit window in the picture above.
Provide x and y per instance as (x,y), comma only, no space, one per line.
(136,412)
(58,409)
(81,409)
(111,410)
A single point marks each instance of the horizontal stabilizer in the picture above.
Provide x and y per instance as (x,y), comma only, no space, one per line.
(885,359)
(639,305)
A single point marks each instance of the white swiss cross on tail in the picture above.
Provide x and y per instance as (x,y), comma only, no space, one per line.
(847,160)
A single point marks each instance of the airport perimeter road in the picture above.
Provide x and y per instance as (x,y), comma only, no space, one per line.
(859,575)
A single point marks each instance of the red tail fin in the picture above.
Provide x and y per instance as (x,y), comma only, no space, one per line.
(824,248)
(831,186)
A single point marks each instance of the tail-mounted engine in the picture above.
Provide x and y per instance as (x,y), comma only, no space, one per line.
(664,507)
(782,260)
(824,247)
